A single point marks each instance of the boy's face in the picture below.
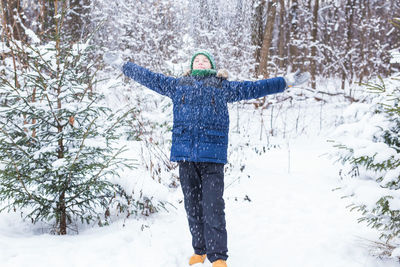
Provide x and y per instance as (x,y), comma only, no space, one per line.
(201,62)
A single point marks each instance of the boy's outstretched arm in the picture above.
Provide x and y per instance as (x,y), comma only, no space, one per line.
(236,91)
(157,82)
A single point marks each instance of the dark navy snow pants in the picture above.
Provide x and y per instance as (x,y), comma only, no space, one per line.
(203,187)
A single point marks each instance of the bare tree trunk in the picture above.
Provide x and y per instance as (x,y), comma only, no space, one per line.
(313,65)
(293,20)
(77,23)
(362,41)
(267,39)
(281,42)
(12,11)
(347,72)
(257,31)
(365,16)
(237,32)
(351,6)
(47,19)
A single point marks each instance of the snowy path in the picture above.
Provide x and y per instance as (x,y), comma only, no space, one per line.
(293,219)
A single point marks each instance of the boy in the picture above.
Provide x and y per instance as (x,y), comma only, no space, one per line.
(200,140)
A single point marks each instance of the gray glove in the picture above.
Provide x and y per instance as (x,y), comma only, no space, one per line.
(113,59)
(297,78)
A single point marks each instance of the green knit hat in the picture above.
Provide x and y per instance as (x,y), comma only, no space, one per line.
(204,53)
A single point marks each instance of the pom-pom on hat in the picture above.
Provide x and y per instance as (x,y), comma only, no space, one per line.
(204,53)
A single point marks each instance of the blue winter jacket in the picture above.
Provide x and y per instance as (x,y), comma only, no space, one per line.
(201,118)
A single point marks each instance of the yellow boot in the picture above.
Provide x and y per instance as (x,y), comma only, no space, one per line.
(219,263)
(197,259)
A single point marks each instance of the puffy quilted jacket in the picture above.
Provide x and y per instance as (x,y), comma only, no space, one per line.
(201,118)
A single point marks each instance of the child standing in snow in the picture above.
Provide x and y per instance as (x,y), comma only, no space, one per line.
(200,140)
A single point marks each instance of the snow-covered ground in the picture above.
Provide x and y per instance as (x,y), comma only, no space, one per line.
(284,214)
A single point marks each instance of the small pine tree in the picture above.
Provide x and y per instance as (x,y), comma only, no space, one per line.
(376,162)
(58,140)
(372,156)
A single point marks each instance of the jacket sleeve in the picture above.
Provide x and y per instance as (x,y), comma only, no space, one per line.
(157,82)
(236,91)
